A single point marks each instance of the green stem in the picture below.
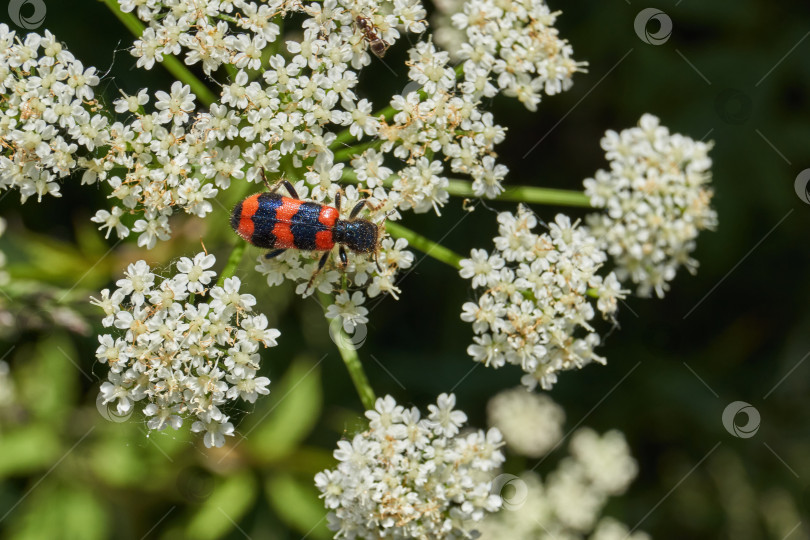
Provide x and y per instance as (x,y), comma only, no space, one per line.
(233,262)
(172,64)
(347,154)
(526,194)
(349,355)
(425,245)
(227,18)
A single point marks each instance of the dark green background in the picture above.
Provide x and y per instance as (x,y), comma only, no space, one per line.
(747,335)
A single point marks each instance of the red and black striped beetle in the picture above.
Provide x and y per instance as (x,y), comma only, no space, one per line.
(272,221)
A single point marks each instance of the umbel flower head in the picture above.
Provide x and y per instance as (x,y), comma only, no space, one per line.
(412,477)
(510,46)
(538,294)
(165,152)
(182,345)
(568,501)
(656,197)
(531,423)
(49,113)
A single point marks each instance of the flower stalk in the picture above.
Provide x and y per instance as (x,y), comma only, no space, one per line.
(233,262)
(526,194)
(425,245)
(349,355)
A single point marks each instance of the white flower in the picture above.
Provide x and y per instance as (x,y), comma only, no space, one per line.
(110,221)
(407,477)
(196,271)
(656,197)
(448,421)
(138,281)
(215,432)
(481,267)
(350,309)
(184,360)
(531,423)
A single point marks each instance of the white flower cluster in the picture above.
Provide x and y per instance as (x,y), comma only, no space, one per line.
(291,115)
(412,477)
(183,345)
(48,116)
(569,503)
(4,277)
(656,197)
(538,294)
(512,43)
(443,116)
(237,32)
(160,155)
(531,423)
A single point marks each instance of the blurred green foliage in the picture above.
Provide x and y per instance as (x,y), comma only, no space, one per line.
(67,472)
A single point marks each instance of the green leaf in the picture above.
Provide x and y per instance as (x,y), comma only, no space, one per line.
(119,456)
(284,420)
(48,377)
(228,503)
(297,504)
(47,259)
(65,512)
(90,240)
(308,460)
(28,449)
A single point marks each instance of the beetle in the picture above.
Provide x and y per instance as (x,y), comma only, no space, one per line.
(278,223)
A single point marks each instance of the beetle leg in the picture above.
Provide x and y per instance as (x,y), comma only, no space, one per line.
(274,187)
(357,207)
(321,264)
(274,253)
(344,261)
